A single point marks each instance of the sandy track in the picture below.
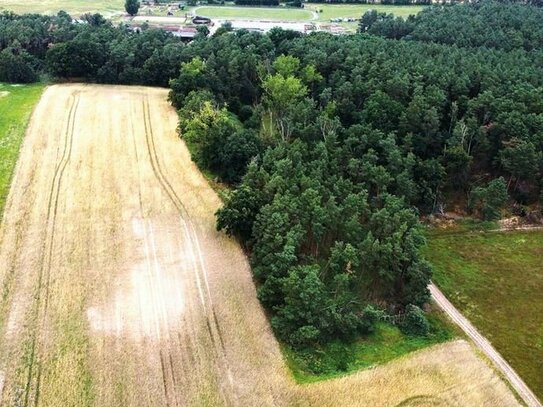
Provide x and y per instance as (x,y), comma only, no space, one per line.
(117,290)
(482,343)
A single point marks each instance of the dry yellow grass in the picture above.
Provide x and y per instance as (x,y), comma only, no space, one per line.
(119,291)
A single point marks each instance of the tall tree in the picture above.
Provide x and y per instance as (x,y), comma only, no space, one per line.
(132,7)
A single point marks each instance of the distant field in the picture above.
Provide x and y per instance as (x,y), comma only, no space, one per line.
(310,12)
(16,103)
(496,280)
(260,13)
(111,7)
(75,7)
(356,10)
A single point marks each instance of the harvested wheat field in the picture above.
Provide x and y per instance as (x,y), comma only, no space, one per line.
(118,291)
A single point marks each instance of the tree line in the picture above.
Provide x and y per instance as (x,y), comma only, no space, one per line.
(90,49)
(502,25)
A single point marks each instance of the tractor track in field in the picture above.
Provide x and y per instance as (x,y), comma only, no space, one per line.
(47,251)
(192,238)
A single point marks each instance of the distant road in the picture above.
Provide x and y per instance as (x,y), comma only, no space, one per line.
(482,343)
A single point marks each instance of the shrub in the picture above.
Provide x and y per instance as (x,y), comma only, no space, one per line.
(369,319)
(15,68)
(414,322)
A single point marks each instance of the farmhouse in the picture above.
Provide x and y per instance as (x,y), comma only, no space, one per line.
(186,33)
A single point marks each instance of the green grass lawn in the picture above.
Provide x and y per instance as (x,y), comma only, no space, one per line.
(16,103)
(112,7)
(261,13)
(291,14)
(496,280)
(73,7)
(385,344)
(356,10)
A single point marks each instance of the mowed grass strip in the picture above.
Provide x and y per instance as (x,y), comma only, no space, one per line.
(16,104)
(73,7)
(496,280)
(356,10)
(260,13)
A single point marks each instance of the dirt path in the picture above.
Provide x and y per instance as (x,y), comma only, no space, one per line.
(118,291)
(482,343)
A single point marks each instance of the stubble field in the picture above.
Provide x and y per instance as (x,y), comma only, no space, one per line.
(117,289)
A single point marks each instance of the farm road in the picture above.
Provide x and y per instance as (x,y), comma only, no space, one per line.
(482,343)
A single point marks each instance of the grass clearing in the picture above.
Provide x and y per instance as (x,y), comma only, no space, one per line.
(385,344)
(496,280)
(329,11)
(16,104)
(73,7)
(356,10)
(259,13)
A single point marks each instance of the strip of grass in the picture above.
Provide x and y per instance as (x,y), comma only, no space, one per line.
(356,10)
(261,13)
(73,7)
(16,104)
(386,343)
(496,280)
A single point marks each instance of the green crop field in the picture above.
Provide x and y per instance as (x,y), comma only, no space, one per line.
(496,280)
(73,7)
(16,103)
(261,13)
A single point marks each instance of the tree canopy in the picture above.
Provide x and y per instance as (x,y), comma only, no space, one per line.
(132,7)
(333,146)
(351,139)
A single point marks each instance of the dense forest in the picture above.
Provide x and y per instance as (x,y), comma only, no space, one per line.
(89,50)
(334,146)
(346,141)
(506,26)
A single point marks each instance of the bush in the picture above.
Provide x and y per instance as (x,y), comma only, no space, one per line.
(369,319)
(489,200)
(328,359)
(414,322)
(15,68)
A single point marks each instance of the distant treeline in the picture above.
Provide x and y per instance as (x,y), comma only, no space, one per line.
(504,25)
(91,50)
(385,2)
(538,3)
